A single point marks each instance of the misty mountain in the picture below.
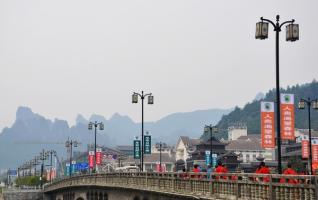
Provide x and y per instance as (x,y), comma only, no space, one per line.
(31,132)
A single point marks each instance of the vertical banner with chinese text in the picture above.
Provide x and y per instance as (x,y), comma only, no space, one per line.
(137,149)
(287,116)
(305,146)
(91,159)
(314,148)
(267,124)
(147,144)
(98,156)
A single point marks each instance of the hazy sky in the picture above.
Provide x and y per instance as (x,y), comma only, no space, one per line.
(65,57)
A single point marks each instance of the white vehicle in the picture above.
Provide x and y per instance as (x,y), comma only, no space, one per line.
(127,169)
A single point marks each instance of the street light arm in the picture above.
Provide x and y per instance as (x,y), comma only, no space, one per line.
(138,94)
(267,20)
(291,21)
(149,94)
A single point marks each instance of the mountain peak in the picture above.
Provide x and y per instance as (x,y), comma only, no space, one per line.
(24,113)
(80,119)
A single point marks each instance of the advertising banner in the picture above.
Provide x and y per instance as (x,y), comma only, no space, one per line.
(98,156)
(67,169)
(91,159)
(314,147)
(287,116)
(267,124)
(137,149)
(207,157)
(147,144)
(73,166)
(305,146)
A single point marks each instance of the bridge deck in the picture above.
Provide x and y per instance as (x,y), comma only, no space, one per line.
(201,185)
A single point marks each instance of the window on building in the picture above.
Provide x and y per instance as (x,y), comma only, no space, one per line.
(247,157)
(254,157)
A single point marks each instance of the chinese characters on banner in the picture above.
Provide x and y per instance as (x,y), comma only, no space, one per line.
(98,156)
(267,124)
(91,159)
(314,147)
(305,146)
(147,144)
(287,116)
(137,151)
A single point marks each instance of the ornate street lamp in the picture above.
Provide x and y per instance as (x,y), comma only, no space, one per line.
(69,144)
(292,34)
(212,129)
(150,101)
(90,127)
(301,105)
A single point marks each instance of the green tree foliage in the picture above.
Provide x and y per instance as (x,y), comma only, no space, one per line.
(250,113)
(29,181)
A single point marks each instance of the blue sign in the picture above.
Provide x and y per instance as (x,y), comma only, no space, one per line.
(67,170)
(12,172)
(208,158)
(81,166)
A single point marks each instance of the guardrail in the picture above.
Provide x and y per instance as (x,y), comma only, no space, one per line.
(203,185)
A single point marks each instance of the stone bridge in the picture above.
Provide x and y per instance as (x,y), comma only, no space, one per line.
(185,186)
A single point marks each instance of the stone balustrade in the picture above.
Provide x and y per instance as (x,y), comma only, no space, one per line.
(201,185)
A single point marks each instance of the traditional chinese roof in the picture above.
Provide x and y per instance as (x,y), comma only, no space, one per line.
(153,158)
(250,142)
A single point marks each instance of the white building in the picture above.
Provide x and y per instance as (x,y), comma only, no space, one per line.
(185,146)
(236,131)
(249,148)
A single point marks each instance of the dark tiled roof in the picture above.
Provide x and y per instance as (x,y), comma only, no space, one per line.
(125,148)
(245,143)
(190,142)
(152,158)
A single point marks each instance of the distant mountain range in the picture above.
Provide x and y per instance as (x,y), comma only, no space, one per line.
(250,113)
(31,132)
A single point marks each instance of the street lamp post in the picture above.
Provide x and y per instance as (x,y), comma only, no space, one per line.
(43,156)
(150,101)
(160,158)
(69,144)
(52,153)
(211,129)
(90,127)
(301,105)
(292,34)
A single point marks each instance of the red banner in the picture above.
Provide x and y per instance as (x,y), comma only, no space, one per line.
(98,156)
(267,125)
(287,115)
(314,147)
(305,147)
(91,159)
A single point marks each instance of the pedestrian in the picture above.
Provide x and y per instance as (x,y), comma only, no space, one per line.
(264,170)
(220,169)
(289,171)
(196,168)
(209,172)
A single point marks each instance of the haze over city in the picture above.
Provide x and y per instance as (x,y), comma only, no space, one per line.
(62,58)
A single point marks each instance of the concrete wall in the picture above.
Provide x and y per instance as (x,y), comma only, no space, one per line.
(112,194)
(22,195)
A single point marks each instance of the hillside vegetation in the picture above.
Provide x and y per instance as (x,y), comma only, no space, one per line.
(250,113)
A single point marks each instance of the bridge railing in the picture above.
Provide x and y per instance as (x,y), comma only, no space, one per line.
(238,185)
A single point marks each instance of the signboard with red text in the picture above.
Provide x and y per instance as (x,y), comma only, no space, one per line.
(267,125)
